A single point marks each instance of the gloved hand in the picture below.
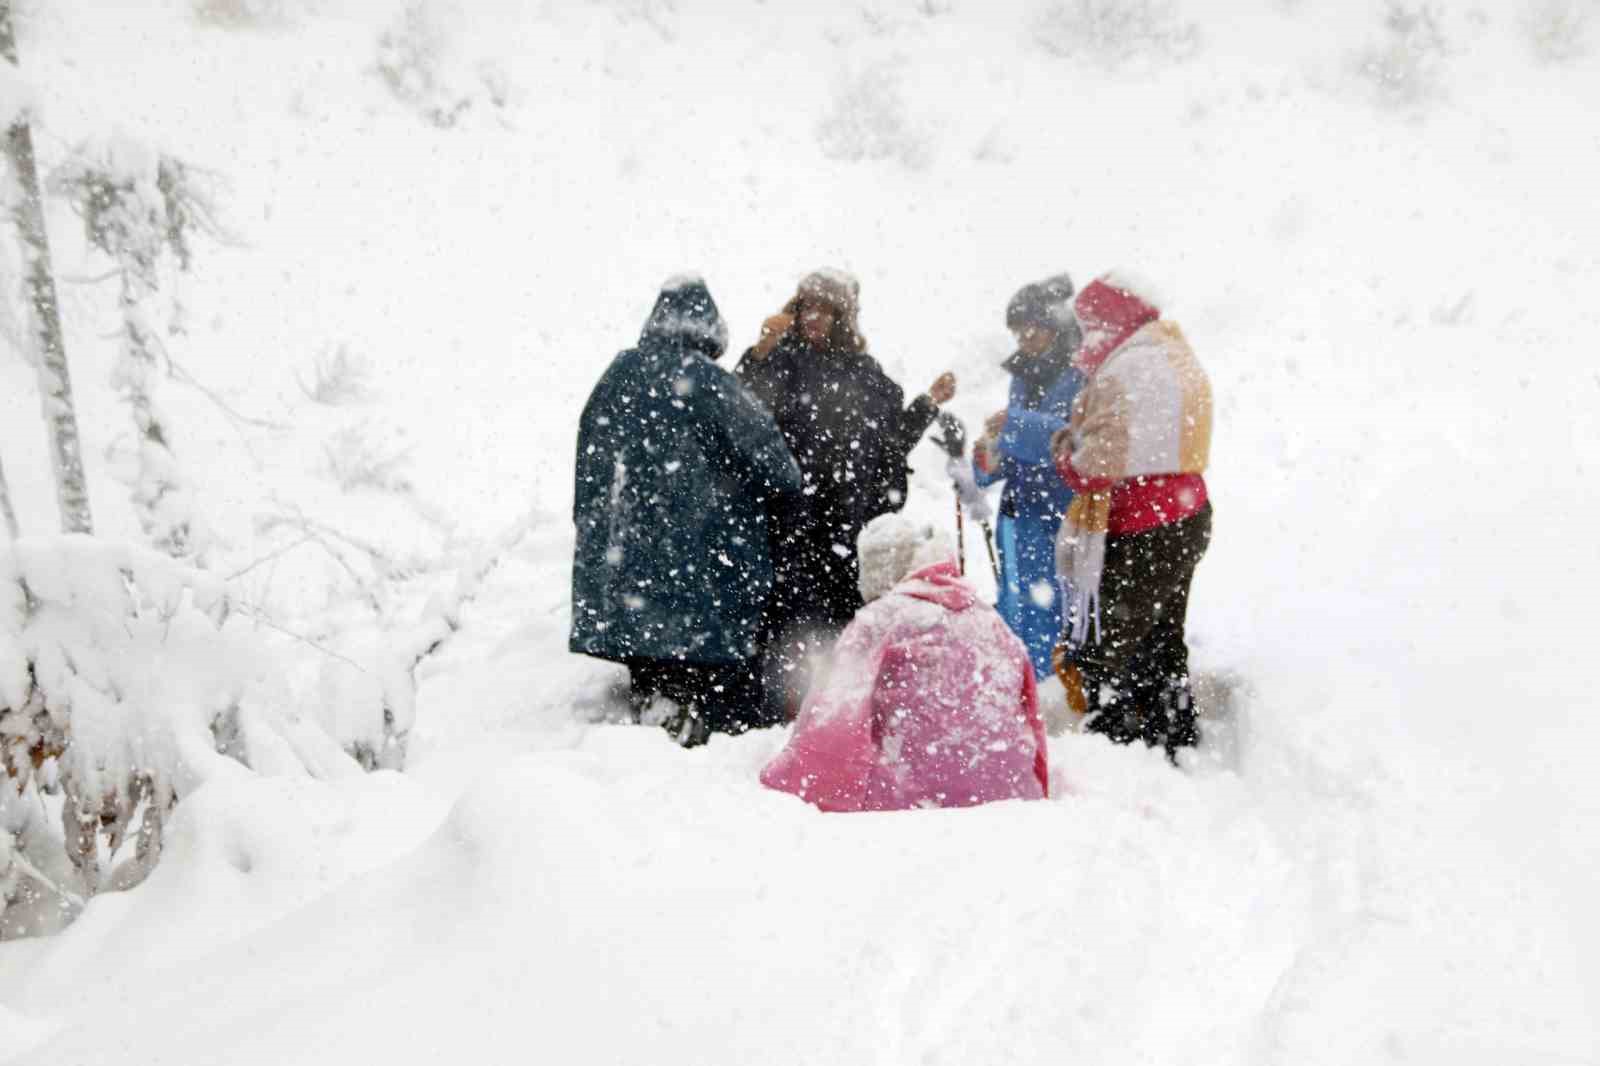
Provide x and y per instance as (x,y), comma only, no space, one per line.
(1061,445)
(772,331)
(986,453)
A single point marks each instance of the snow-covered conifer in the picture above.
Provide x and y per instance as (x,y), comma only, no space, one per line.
(141,210)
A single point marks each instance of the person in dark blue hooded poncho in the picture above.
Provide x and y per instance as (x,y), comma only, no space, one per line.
(677,469)
(1016,448)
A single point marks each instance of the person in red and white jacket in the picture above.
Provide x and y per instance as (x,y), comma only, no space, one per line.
(1135,452)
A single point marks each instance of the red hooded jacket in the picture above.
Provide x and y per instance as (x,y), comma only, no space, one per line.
(931,702)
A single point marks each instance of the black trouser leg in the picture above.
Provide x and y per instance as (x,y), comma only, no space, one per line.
(814,596)
(730,697)
(1115,661)
(1176,701)
(788,666)
(644,684)
(1136,675)
(723,698)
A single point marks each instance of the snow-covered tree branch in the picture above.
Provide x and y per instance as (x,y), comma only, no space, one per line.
(127,680)
(141,210)
(8,513)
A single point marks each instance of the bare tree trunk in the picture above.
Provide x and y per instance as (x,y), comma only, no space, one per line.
(7,515)
(44,315)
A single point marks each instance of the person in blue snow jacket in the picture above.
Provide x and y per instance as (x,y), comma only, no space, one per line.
(1015,448)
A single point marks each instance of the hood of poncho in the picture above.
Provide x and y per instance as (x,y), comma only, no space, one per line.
(941,584)
(686,315)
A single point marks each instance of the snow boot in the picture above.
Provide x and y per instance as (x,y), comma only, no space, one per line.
(688,727)
(1177,720)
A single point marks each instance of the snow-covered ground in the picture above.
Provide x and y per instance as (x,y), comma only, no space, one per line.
(1384,245)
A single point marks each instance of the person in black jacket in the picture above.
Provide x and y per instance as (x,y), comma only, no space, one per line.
(849,429)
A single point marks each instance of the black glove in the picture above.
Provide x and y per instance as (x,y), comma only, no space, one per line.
(953,435)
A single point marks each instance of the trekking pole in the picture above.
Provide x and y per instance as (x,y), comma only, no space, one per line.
(954,443)
(961,537)
(988,542)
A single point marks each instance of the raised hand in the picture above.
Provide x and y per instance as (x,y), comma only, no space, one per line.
(772,331)
(1061,445)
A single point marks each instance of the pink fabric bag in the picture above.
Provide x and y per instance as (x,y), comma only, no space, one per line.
(930,703)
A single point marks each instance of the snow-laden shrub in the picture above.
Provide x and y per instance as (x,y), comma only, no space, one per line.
(1558,30)
(339,377)
(1113,33)
(660,15)
(127,680)
(375,672)
(38,883)
(246,14)
(867,120)
(357,459)
(996,146)
(370,676)
(409,58)
(1404,68)
(416,62)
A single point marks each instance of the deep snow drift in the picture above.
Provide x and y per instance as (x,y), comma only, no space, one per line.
(1380,237)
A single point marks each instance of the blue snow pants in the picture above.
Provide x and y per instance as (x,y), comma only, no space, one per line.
(1030,599)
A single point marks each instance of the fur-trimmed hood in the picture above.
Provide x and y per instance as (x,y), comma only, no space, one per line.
(839,291)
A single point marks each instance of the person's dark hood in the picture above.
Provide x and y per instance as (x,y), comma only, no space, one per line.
(1046,303)
(685,315)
